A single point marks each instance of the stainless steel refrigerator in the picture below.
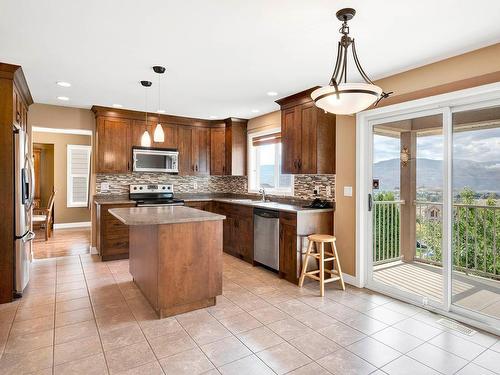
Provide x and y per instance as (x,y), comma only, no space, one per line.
(24,192)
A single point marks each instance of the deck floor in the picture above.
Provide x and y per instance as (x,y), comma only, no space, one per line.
(473,293)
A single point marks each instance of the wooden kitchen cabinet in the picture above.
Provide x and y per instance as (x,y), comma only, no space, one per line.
(200,153)
(139,126)
(200,205)
(217,151)
(288,247)
(308,136)
(113,145)
(235,147)
(112,234)
(184,148)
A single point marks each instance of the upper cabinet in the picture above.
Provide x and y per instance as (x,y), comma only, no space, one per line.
(206,147)
(307,136)
(113,145)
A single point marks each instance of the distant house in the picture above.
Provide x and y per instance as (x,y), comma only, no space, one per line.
(432,212)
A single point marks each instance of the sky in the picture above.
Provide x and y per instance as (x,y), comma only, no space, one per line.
(479,145)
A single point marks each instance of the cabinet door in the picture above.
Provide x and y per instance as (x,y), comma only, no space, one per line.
(184,146)
(308,136)
(170,132)
(201,151)
(288,247)
(113,145)
(217,151)
(291,140)
(244,237)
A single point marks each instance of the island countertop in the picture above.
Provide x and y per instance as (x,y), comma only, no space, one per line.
(162,215)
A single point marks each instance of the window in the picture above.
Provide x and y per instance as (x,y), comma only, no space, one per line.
(265,164)
(78,175)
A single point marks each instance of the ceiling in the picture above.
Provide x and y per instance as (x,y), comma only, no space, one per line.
(223,56)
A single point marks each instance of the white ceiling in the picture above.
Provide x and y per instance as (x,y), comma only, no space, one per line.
(223,56)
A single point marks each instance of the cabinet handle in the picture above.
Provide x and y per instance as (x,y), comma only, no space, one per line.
(128,166)
(196,167)
(300,163)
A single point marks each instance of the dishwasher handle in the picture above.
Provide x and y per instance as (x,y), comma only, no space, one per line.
(268,214)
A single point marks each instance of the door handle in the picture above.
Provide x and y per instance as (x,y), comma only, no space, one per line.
(29,237)
(370,202)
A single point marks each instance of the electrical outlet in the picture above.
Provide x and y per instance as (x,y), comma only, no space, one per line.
(328,191)
(316,190)
(195,185)
(425,301)
(104,187)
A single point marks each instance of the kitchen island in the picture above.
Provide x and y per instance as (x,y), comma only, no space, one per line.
(175,256)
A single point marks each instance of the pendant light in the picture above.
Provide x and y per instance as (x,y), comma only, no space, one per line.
(146,138)
(159,135)
(341,97)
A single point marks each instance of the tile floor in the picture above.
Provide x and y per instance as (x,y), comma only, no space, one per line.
(82,316)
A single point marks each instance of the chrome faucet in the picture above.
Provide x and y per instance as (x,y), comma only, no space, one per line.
(263,192)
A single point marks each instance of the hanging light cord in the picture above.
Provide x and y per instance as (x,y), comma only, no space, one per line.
(159,98)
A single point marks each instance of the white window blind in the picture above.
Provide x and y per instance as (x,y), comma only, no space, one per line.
(78,175)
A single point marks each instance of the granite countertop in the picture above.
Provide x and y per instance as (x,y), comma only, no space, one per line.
(162,215)
(277,206)
(112,199)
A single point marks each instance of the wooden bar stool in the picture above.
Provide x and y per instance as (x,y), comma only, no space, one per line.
(319,241)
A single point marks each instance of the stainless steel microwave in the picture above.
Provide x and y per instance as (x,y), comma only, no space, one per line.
(146,159)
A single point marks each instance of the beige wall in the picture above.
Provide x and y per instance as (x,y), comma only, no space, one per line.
(53,116)
(467,70)
(62,213)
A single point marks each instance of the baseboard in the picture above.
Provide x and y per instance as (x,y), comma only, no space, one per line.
(81,224)
(94,251)
(351,280)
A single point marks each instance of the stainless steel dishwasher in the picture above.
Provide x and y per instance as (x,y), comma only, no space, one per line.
(266,241)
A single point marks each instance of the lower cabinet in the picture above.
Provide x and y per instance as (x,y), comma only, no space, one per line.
(288,247)
(112,234)
(200,205)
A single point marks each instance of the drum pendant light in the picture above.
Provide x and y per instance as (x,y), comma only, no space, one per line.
(146,138)
(159,135)
(339,96)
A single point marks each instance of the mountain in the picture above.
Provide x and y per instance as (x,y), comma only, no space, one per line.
(479,176)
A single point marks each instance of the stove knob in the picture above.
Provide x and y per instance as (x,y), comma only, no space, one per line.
(140,188)
(163,188)
(135,187)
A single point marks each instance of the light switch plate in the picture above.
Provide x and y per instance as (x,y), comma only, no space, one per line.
(347,191)
(104,186)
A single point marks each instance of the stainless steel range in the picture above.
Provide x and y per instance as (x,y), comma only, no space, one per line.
(153,195)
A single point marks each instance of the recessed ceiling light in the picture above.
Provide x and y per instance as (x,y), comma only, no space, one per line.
(64,98)
(272,93)
(213,117)
(160,111)
(117,105)
(255,111)
(63,84)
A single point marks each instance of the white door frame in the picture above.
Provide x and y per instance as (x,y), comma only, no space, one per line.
(472,98)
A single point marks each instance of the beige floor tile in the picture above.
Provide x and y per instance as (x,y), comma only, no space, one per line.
(194,317)
(64,287)
(260,338)
(29,342)
(396,339)
(283,358)
(251,302)
(418,329)
(110,309)
(75,331)
(314,345)
(374,351)
(346,363)
(407,365)
(224,310)
(310,369)
(74,304)
(129,357)
(37,300)
(77,349)
(294,307)
(225,351)
(7,316)
(385,315)
(152,368)
(437,359)
(250,365)
(268,314)
(342,334)
(123,319)
(93,365)
(74,316)
(458,346)
(289,328)
(489,360)
(473,369)
(207,332)
(240,323)
(172,343)
(315,320)
(160,327)
(26,313)
(25,327)
(23,363)
(71,294)
(365,324)
(120,337)
(191,362)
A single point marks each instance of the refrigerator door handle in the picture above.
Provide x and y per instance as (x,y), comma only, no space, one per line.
(30,236)
(30,182)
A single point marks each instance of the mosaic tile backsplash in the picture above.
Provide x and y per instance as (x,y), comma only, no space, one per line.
(304,185)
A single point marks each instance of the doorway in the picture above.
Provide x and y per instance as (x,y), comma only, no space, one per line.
(429,203)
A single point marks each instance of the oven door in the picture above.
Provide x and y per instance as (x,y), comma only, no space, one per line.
(155,160)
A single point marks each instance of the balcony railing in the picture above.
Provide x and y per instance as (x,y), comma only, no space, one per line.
(475,240)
